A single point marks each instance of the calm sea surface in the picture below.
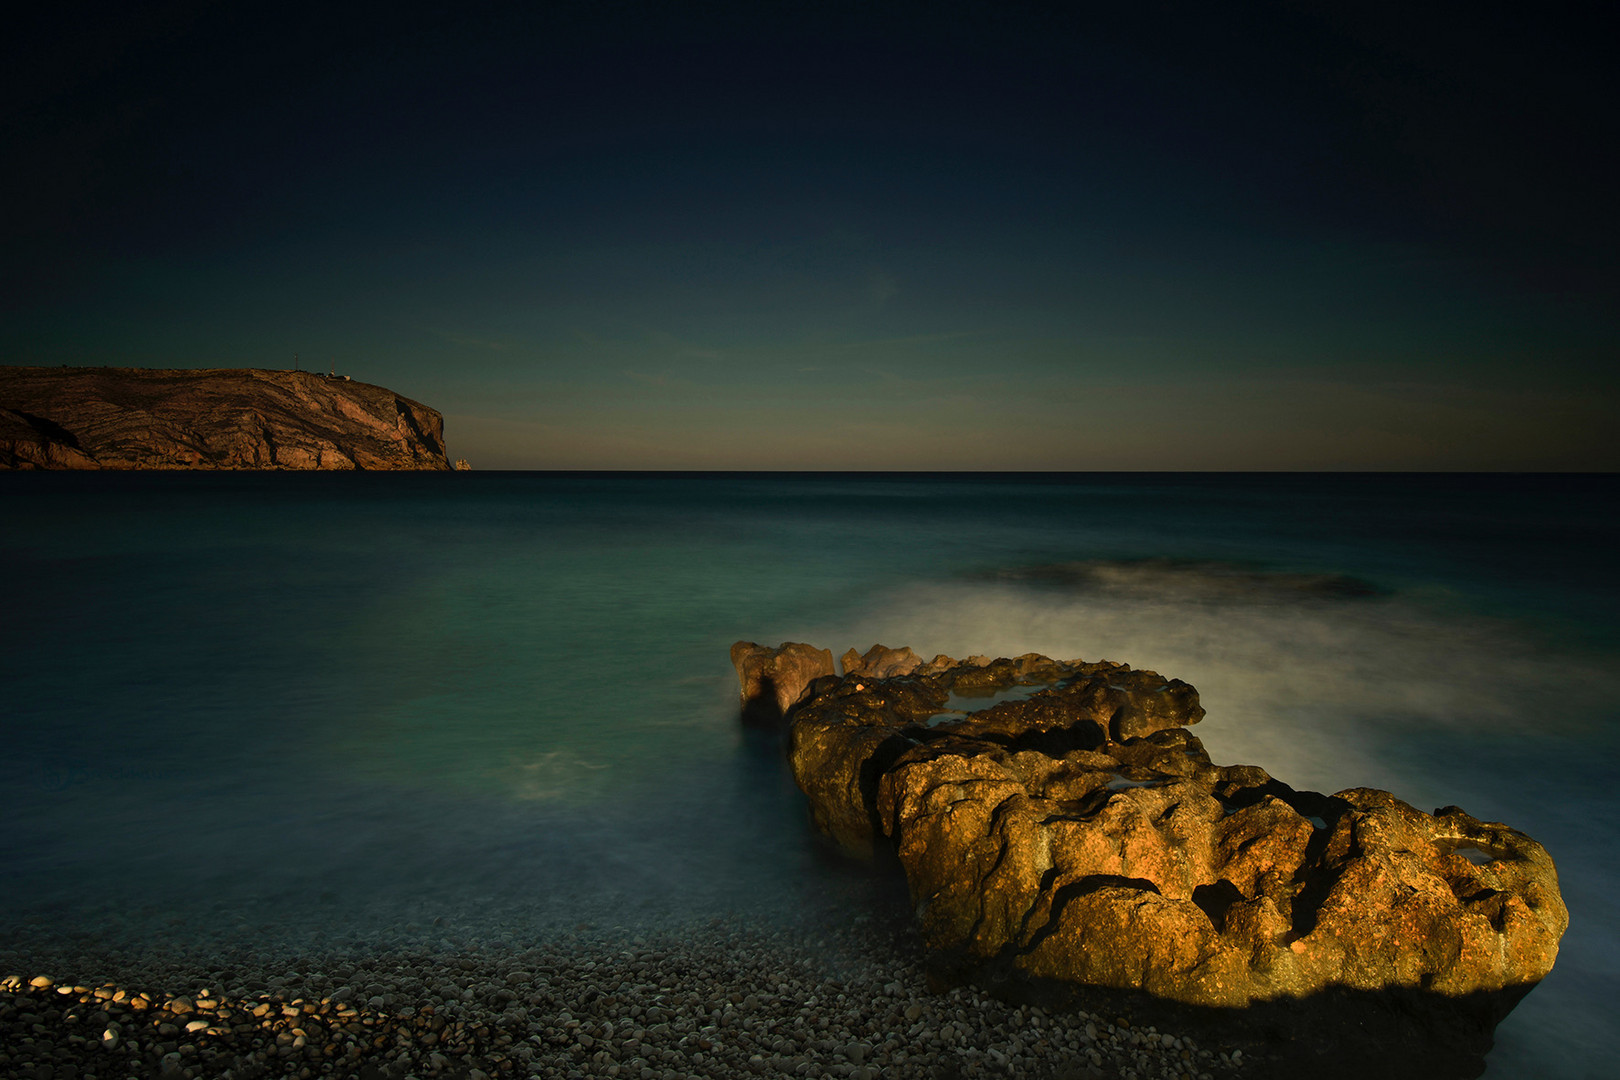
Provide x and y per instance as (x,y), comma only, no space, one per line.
(335,708)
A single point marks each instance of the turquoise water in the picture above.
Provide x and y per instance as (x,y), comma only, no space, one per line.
(327,707)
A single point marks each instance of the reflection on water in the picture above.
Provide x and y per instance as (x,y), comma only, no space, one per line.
(963,703)
(1124,783)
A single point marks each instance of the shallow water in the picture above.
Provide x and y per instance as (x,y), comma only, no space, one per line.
(331,706)
(960,704)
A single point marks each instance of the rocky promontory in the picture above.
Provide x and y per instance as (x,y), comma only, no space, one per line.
(1064,835)
(217,418)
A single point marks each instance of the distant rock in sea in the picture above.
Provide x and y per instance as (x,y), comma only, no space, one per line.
(215,418)
(1063,833)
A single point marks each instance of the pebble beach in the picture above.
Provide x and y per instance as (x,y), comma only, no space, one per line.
(721,999)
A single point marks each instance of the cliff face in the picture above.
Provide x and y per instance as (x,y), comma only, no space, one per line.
(220,418)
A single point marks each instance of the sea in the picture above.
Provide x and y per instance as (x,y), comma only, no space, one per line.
(324,709)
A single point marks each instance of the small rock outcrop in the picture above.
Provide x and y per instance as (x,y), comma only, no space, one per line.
(772,681)
(1058,824)
(137,418)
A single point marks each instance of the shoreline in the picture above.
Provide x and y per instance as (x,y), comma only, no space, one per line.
(713,999)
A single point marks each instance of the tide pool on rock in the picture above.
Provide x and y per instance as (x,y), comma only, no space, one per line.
(290,713)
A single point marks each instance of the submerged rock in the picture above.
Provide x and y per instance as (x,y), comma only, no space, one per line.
(1207,581)
(1074,833)
(139,418)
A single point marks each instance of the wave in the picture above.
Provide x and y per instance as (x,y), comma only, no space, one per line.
(1330,690)
(1188,580)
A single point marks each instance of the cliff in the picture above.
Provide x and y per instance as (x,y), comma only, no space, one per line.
(218,418)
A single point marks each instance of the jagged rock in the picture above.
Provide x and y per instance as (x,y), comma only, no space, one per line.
(1080,835)
(772,681)
(881,662)
(137,418)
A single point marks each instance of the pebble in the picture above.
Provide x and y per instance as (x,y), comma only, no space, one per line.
(712,1000)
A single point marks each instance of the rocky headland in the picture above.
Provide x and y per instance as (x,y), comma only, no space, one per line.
(221,418)
(1065,839)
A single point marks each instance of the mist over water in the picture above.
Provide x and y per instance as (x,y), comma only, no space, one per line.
(1314,690)
(326,708)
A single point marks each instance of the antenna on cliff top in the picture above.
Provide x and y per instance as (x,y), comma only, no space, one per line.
(295,362)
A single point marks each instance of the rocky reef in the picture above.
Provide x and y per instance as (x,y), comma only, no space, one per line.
(1062,832)
(136,418)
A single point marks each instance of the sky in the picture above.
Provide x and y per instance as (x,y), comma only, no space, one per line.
(1278,235)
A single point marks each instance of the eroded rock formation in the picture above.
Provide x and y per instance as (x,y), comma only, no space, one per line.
(136,418)
(1056,821)
(774,680)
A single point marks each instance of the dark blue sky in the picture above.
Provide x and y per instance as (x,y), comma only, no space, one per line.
(1263,236)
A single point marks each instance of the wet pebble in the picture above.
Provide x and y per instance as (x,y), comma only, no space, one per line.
(712,1001)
